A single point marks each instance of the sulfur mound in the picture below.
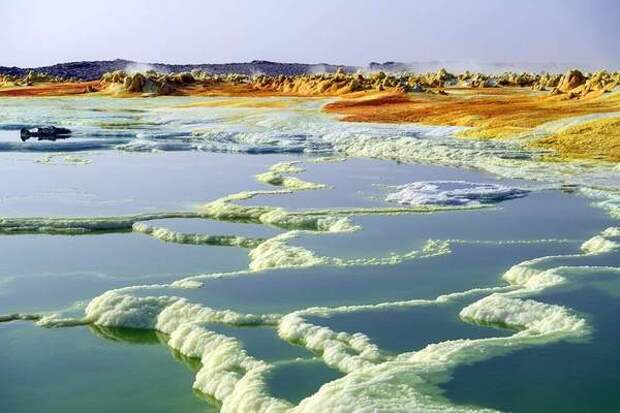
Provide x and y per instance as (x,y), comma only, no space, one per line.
(149,82)
(576,85)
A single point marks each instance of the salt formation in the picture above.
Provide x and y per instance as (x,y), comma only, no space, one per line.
(374,380)
(167,235)
(285,131)
(533,275)
(276,252)
(606,241)
(342,351)
(452,193)
(80,225)
(277,176)
(237,380)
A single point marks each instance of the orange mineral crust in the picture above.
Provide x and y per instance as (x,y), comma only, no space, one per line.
(492,113)
(52,89)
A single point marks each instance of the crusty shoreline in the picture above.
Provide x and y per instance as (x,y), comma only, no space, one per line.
(500,106)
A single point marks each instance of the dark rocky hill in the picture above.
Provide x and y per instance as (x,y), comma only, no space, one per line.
(94,69)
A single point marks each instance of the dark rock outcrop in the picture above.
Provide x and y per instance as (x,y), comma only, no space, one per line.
(93,70)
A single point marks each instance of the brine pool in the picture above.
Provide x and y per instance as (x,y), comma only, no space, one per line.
(256,255)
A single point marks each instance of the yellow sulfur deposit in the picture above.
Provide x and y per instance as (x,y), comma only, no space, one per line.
(595,139)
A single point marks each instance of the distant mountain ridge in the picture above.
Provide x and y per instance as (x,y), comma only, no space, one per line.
(92,70)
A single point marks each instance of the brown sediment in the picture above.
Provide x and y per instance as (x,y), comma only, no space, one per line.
(52,89)
(594,139)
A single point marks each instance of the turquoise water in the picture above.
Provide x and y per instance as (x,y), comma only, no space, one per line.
(299,379)
(50,272)
(438,323)
(122,183)
(576,377)
(293,298)
(285,290)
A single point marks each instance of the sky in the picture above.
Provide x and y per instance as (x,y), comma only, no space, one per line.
(38,32)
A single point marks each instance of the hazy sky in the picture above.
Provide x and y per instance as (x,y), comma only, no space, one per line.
(39,32)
